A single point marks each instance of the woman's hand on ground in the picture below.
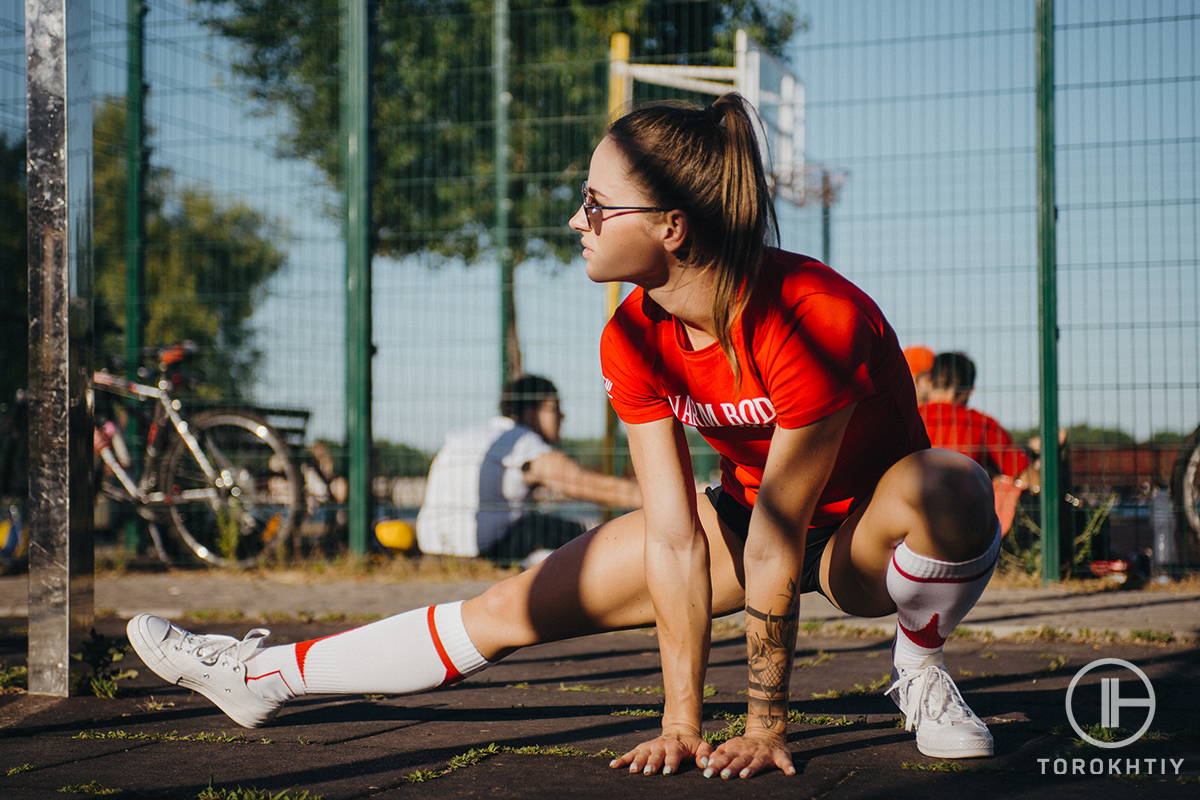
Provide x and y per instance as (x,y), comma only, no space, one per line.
(664,754)
(746,756)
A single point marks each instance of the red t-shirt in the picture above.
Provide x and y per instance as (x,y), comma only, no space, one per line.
(956,427)
(809,343)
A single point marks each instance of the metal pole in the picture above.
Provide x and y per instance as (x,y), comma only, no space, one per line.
(135,156)
(355,124)
(1048,291)
(510,356)
(620,96)
(59,153)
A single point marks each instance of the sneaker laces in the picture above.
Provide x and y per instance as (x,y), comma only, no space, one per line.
(939,698)
(211,648)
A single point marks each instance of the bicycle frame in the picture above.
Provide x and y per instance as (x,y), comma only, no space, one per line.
(142,491)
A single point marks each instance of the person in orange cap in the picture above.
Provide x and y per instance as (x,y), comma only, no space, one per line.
(920,362)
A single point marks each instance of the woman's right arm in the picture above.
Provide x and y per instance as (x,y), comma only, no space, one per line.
(677,576)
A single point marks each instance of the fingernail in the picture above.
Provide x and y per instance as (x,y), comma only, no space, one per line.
(708,773)
(744,773)
(667,770)
(704,761)
(633,767)
(725,773)
(612,763)
(791,771)
(648,770)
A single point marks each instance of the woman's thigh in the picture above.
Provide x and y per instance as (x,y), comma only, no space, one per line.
(594,583)
(939,501)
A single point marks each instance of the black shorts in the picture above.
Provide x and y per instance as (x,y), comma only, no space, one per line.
(736,517)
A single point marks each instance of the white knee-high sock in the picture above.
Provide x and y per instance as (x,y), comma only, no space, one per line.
(932,597)
(411,652)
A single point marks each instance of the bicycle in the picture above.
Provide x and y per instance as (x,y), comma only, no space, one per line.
(223,481)
(1185,491)
(13,538)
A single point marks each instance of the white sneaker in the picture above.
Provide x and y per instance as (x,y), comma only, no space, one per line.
(946,726)
(212,665)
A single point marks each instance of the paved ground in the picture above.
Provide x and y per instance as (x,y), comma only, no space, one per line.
(537,720)
(1002,612)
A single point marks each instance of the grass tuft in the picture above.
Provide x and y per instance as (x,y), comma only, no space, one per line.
(472,757)
(17,770)
(101,654)
(974,634)
(815,660)
(709,689)
(823,720)
(857,689)
(1055,661)
(211,792)
(477,754)
(170,736)
(933,766)
(14,680)
(559,750)
(636,712)
(91,787)
(1102,734)
(735,724)
(155,705)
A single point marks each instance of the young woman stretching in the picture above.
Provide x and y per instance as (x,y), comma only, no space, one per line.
(828,483)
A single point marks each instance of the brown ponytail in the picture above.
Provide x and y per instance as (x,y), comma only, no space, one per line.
(706,163)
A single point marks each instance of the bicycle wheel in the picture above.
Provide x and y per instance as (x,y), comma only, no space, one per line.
(1185,492)
(249,507)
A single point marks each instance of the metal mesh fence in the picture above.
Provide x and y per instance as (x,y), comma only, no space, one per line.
(930,109)
(922,114)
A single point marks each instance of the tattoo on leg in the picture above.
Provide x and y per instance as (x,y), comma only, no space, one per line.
(770,642)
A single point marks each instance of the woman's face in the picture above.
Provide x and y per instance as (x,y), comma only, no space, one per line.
(629,247)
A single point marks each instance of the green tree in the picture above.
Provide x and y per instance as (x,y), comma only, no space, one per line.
(432,103)
(14,320)
(1086,434)
(206,264)
(1168,437)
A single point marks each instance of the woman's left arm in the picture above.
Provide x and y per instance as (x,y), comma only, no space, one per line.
(798,466)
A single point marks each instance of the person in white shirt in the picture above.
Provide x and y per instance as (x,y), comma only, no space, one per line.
(477,499)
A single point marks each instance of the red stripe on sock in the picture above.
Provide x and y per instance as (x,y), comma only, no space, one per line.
(269,674)
(452,673)
(302,649)
(928,637)
(967,579)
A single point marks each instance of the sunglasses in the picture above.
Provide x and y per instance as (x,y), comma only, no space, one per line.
(595,218)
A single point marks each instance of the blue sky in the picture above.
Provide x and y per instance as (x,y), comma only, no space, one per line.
(929,108)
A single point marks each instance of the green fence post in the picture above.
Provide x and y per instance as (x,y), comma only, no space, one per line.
(1048,291)
(826,217)
(135,175)
(355,124)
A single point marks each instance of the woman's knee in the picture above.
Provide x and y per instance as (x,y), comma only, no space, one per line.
(950,497)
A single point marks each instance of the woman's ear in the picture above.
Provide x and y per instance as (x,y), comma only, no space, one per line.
(675,231)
